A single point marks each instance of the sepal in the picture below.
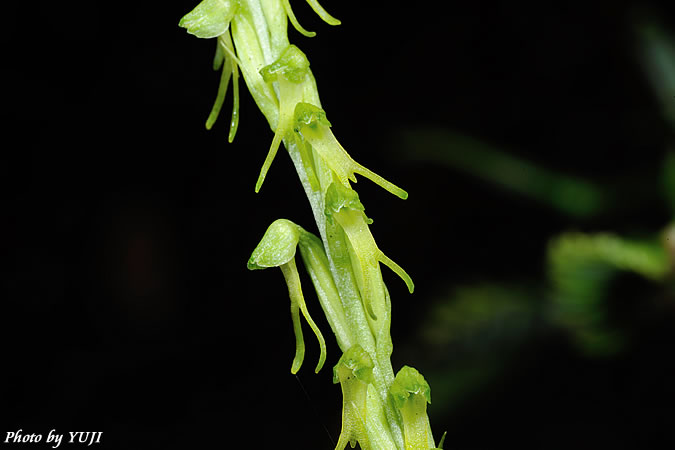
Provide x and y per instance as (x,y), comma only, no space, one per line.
(277,247)
(210,18)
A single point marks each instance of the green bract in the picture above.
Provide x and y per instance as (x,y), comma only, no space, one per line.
(316,262)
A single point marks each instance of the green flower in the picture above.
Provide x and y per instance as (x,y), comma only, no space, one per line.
(354,372)
(411,393)
(290,71)
(311,123)
(277,249)
(211,19)
(344,207)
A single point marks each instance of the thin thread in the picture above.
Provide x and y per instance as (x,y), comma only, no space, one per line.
(314,410)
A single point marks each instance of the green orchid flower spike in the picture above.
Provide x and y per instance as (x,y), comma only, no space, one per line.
(379,411)
(343,206)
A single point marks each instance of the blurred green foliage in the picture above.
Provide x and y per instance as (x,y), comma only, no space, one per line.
(479,327)
(480,314)
(569,195)
(581,267)
(657,51)
(669,179)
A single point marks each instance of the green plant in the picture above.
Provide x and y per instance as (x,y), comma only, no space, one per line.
(380,411)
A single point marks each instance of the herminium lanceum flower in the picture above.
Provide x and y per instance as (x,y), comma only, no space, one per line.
(311,123)
(354,372)
(290,71)
(277,249)
(343,206)
(379,411)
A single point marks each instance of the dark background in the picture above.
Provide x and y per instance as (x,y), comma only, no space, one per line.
(128,308)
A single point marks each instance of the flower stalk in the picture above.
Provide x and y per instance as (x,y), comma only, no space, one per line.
(343,261)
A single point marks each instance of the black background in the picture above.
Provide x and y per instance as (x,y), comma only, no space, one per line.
(127,226)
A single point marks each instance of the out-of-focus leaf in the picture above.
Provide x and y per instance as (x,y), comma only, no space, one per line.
(657,54)
(471,333)
(478,316)
(669,244)
(580,268)
(669,179)
(457,383)
(571,196)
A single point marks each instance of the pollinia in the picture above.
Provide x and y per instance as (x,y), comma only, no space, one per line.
(380,410)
